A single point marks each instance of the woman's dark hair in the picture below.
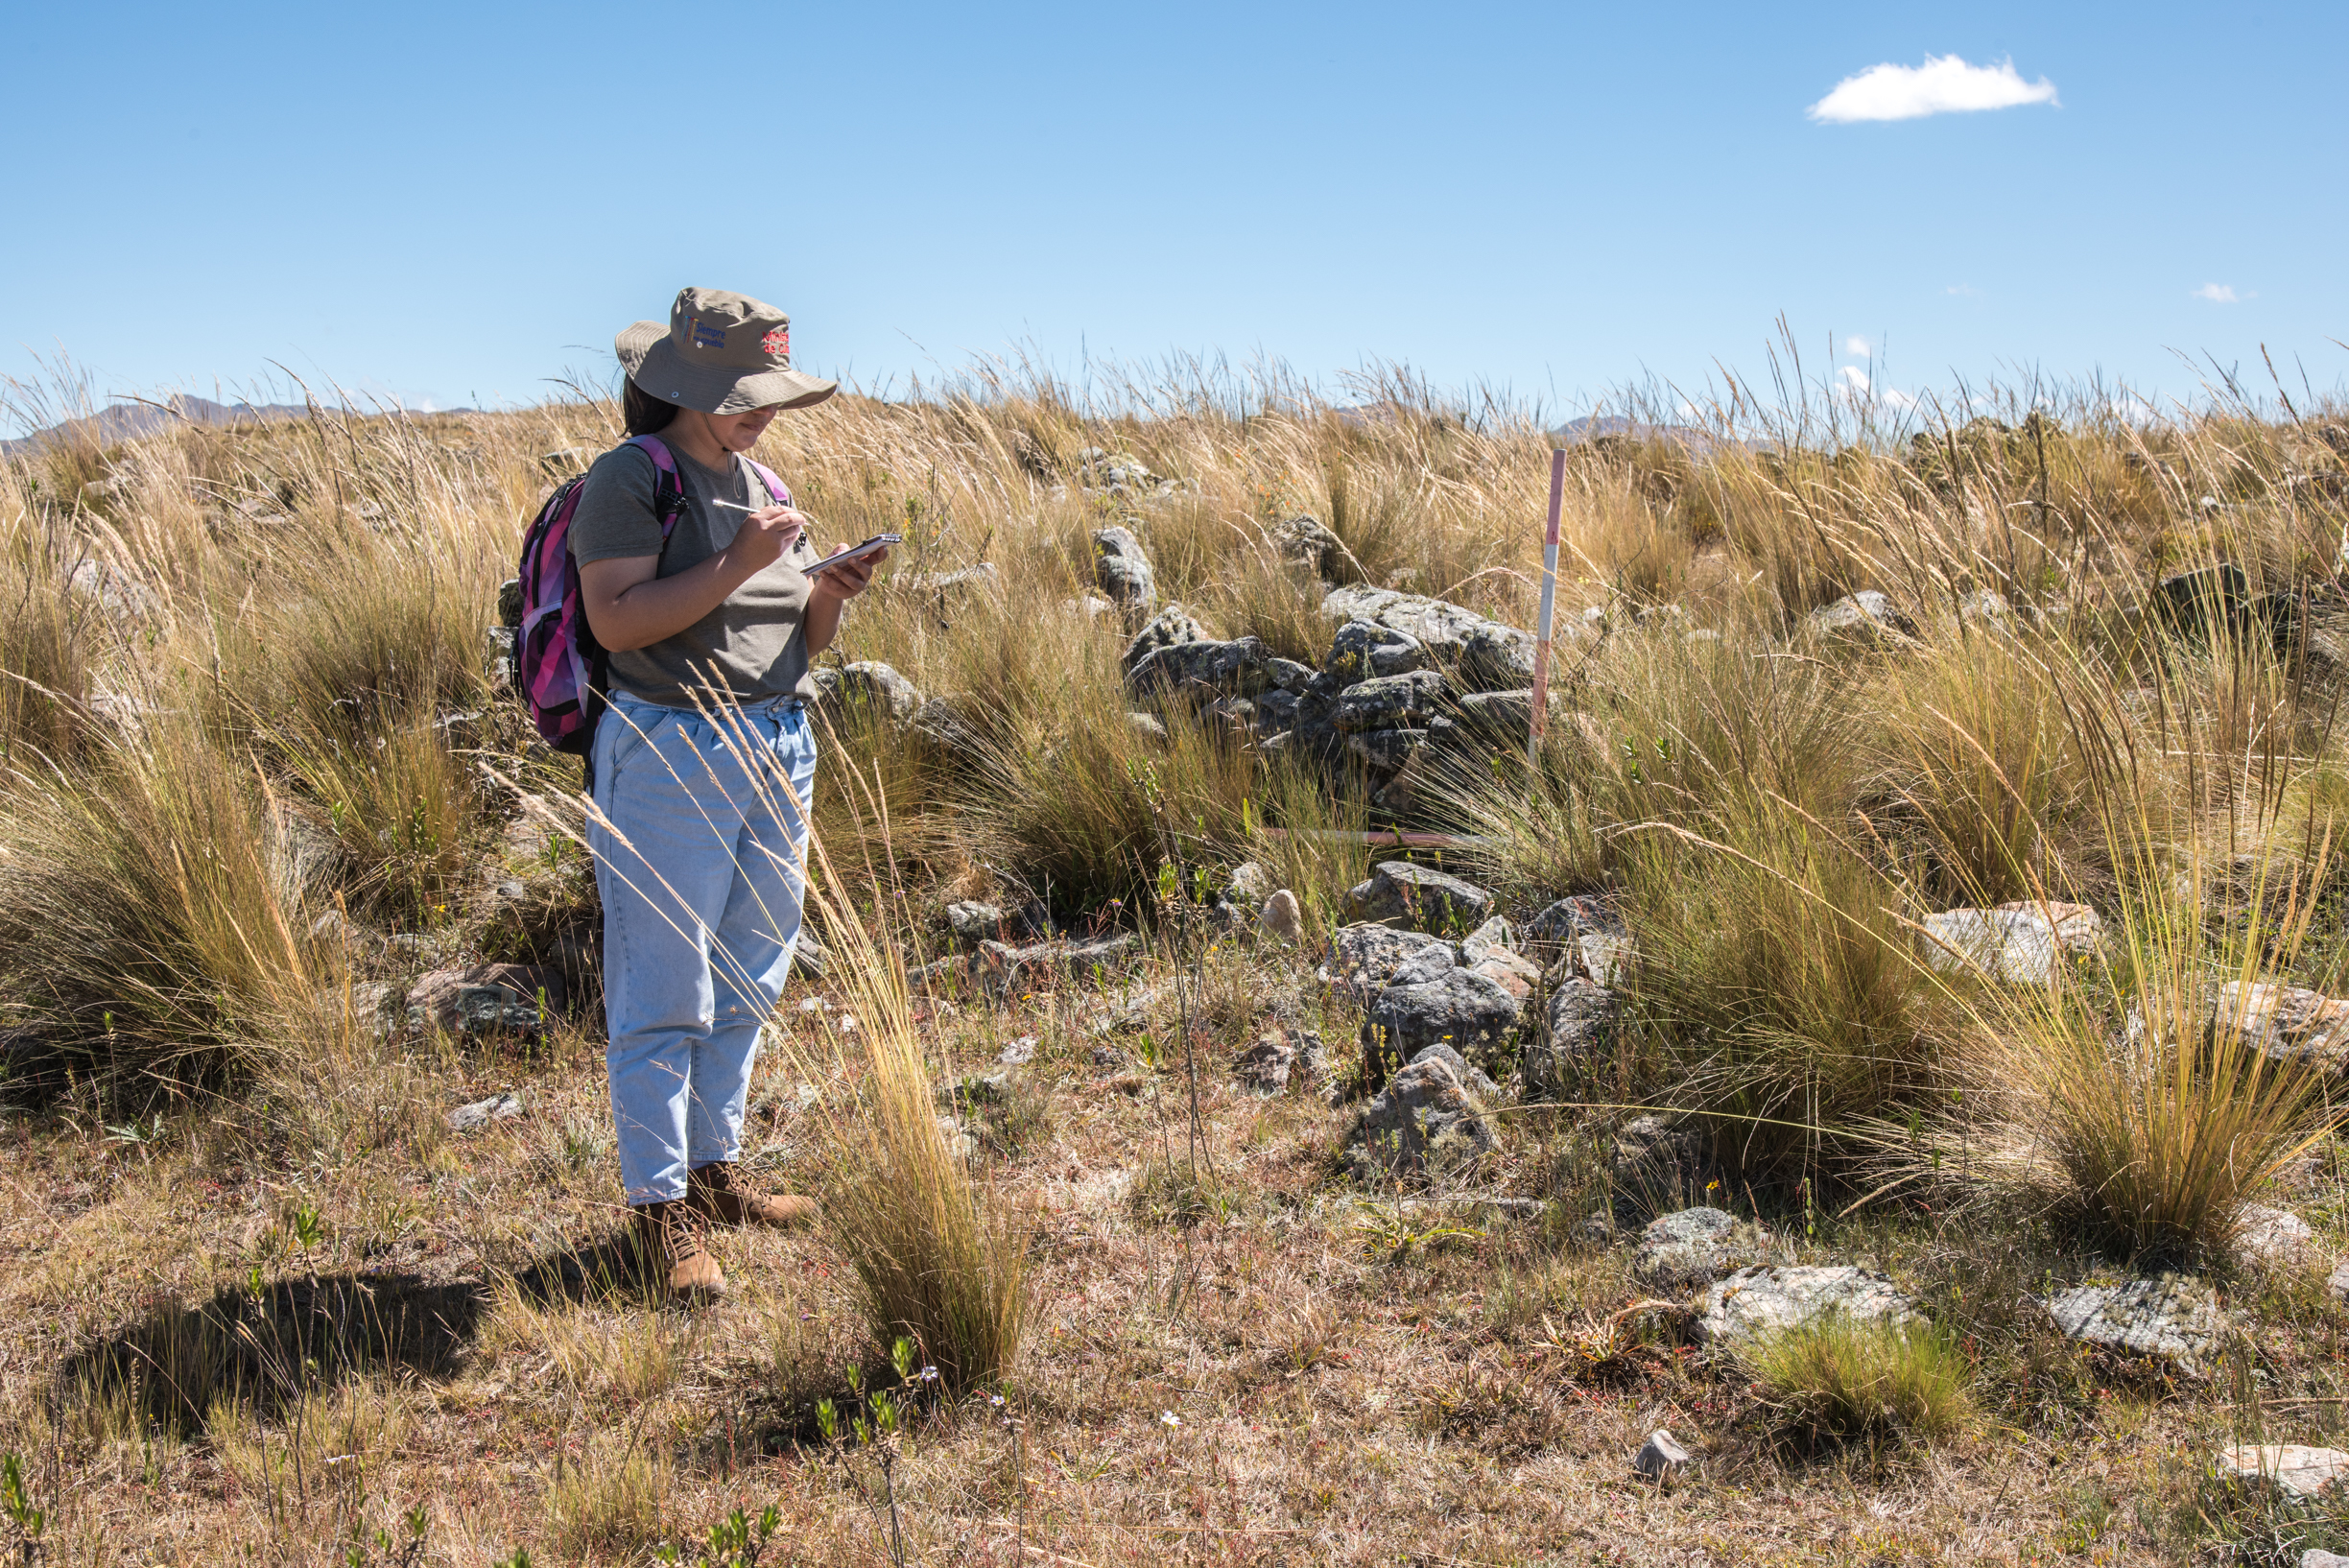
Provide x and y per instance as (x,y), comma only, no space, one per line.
(642,412)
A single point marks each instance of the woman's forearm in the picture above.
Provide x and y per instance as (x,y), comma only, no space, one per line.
(820,621)
(627,615)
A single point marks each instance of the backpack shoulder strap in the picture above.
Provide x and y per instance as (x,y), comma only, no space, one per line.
(669,493)
(772,480)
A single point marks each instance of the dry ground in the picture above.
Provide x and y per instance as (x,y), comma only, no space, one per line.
(1349,1381)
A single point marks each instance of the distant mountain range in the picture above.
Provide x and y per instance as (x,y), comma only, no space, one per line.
(1591,426)
(128,421)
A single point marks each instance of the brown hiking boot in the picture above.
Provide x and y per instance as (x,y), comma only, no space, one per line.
(715,1192)
(672,1236)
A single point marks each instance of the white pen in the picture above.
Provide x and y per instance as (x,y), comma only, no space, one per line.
(737,505)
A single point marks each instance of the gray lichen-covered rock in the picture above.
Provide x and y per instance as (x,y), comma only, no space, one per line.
(2175,1317)
(1363,649)
(1694,1247)
(1401,701)
(1498,715)
(1589,933)
(1267,1066)
(1200,670)
(1306,542)
(2022,943)
(1275,711)
(1458,1007)
(1466,1071)
(2275,1236)
(1248,883)
(1440,627)
(1288,675)
(1171,626)
(488,999)
(2301,1473)
(473,1118)
(1494,935)
(1002,969)
(1579,1032)
(1425,1120)
(1771,1299)
(1122,568)
(940,722)
(1386,751)
(1366,958)
(1401,893)
(1865,616)
(873,686)
(2286,1022)
(1496,658)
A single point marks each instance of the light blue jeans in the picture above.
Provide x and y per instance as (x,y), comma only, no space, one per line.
(701,882)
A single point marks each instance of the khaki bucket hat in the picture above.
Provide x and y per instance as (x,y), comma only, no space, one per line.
(721,353)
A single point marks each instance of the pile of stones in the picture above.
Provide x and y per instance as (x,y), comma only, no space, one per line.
(1441,1016)
(1406,678)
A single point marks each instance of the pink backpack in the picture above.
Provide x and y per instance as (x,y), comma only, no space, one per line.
(559,667)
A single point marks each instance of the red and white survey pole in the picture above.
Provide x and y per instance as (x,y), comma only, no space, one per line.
(1549,609)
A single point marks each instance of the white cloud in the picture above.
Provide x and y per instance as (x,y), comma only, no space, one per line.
(1962,289)
(1855,380)
(1899,399)
(1857,348)
(1944,85)
(2221,294)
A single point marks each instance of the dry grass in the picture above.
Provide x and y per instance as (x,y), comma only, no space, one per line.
(269,705)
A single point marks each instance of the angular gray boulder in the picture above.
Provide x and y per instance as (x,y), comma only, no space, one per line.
(1400,892)
(1577,1033)
(1390,702)
(1682,1250)
(1468,1011)
(1498,715)
(1386,751)
(1865,616)
(2287,1022)
(1169,626)
(1363,649)
(1754,1304)
(1365,958)
(872,686)
(1200,670)
(1496,658)
(1425,1120)
(2173,1318)
(1122,568)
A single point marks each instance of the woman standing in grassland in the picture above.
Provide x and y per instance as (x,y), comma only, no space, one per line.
(702,880)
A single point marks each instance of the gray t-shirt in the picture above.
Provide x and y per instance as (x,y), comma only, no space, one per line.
(749,646)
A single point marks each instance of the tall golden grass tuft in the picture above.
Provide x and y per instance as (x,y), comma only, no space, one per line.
(2134,1092)
(152,925)
(940,1254)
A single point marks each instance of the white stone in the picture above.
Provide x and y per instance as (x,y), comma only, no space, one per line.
(2174,1316)
(1281,917)
(2020,944)
(1662,1457)
(2274,1235)
(1771,1299)
(2297,1471)
(2286,1022)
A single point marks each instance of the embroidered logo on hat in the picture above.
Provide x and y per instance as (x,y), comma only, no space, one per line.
(705,336)
(777,344)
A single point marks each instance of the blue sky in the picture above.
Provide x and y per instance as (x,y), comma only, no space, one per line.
(452,204)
